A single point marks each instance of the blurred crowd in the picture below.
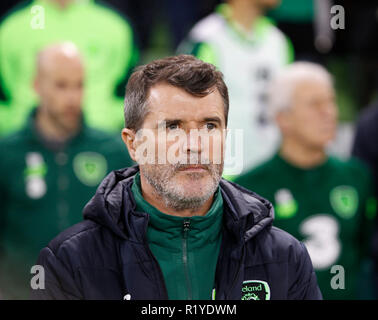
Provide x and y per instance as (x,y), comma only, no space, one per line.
(303,86)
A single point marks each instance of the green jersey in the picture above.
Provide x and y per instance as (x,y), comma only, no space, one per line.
(104,38)
(42,192)
(325,207)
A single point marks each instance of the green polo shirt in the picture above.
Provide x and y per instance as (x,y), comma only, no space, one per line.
(186,249)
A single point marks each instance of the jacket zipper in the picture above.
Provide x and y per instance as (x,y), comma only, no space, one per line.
(186,227)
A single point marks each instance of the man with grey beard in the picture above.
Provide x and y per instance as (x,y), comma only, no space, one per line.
(170,227)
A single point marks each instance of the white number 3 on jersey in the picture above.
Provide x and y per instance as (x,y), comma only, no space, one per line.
(321,240)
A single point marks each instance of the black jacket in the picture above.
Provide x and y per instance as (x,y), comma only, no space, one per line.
(107,256)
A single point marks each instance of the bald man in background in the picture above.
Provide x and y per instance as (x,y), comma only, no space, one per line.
(106,42)
(50,168)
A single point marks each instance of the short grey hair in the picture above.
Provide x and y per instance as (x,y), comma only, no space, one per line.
(282,87)
(183,71)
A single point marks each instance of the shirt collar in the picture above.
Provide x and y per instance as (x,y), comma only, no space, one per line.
(299,170)
(258,29)
(206,227)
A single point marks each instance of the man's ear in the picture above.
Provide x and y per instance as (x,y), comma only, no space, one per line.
(128,137)
(283,121)
(36,85)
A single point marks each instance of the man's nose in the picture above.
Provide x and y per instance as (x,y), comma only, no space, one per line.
(193,142)
(330,110)
(74,95)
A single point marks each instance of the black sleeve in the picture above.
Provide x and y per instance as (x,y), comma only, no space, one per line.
(361,147)
(3,204)
(364,144)
(59,282)
(366,149)
(305,285)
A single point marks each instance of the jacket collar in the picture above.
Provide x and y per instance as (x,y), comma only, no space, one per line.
(113,206)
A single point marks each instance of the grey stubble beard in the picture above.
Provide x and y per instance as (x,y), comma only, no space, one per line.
(173,196)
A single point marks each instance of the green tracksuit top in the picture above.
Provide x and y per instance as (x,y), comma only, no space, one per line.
(43,192)
(325,207)
(186,249)
(104,38)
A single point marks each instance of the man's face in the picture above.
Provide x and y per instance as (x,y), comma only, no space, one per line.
(312,118)
(189,138)
(60,88)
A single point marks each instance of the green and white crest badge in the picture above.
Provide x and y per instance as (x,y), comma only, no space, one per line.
(255,290)
(344,201)
(90,168)
(35,174)
(286,206)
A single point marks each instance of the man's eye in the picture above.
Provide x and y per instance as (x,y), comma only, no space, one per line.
(172,126)
(210,126)
(61,85)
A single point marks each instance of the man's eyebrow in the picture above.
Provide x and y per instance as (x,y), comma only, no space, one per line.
(167,122)
(213,119)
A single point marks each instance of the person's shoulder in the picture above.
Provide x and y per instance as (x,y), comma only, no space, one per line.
(207,27)
(350,165)
(352,169)
(86,244)
(204,38)
(260,171)
(270,26)
(283,246)
(287,259)
(95,133)
(13,147)
(270,33)
(13,139)
(16,16)
(75,239)
(109,145)
(282,239)
(278,246)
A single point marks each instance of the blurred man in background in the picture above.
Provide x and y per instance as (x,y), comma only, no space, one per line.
(50,168)
(105,39)
(319,199)
(249,50)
